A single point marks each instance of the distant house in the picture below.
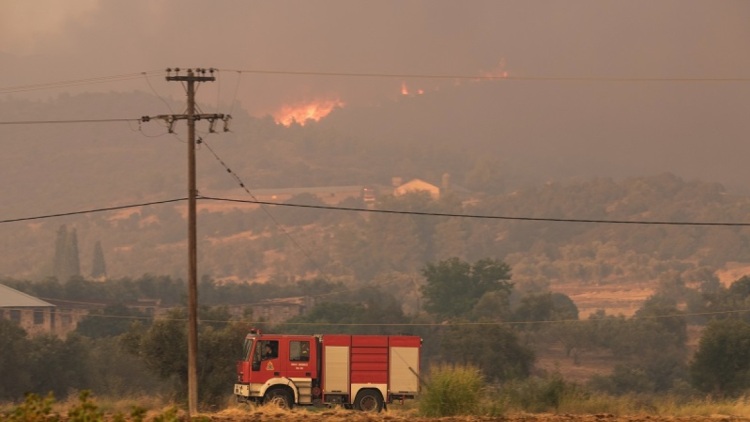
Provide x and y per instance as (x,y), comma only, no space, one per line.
(435,191)
(150,307)
(274,310)
(37,316)
(279,310)
(33,315)
(417,185)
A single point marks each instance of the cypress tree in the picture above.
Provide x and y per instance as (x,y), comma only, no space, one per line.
(98,265)
(58,267)
(67,263)
(72,257)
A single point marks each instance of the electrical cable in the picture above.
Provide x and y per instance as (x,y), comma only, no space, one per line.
(218,95)
(394,324)
(280,72)
(78,121)
(41,122)
(148,82)
(385,211)
(77,82)
(89,211)
(236,91)
(487,217)
(486,77)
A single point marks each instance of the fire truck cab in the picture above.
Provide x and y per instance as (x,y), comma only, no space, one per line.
(360,371)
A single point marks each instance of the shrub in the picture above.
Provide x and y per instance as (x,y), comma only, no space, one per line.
(538,394)
(34,408)
(452,390)
(86,410)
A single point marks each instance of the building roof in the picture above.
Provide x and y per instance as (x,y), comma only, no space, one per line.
(12,298)
(416,185)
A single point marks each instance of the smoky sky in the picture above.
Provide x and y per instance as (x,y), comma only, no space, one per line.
(681,38)
(582,127)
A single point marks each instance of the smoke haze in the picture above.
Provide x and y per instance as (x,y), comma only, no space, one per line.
(44,40)
(560,128)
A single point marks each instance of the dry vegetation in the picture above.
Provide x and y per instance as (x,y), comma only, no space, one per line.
(271,413)
(594,409)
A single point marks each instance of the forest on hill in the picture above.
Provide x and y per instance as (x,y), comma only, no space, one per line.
(247,243)
(56,169)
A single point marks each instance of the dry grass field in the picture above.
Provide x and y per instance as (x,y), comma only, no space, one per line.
(593,409)
(273,414)
(264,414)
(614,299)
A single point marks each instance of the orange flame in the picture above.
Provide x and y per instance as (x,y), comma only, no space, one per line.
(405,90)
(498,72)
(302,112)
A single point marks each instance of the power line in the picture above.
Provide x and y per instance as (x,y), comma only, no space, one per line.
(168,118)
(399,324)
(485,77)
(488,217)
(89,211)
(148,82)
(41,122)
(78,82)
(383,75)
(236,91)
(385,211)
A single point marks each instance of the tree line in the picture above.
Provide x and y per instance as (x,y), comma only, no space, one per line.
(472,314)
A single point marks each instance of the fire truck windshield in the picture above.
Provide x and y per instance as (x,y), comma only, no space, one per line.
(247,348)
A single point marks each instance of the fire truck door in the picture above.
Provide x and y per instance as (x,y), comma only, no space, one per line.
(301,359)
(267,352)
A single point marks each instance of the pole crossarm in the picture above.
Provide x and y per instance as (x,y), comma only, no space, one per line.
(194,75)
(191,78)
(212,119)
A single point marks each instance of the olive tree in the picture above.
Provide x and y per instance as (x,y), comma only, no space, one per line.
(454,287)
(722,363)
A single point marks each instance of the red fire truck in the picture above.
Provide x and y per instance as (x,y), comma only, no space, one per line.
(361,371)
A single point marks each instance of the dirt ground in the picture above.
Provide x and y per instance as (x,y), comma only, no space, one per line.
(360,417)
(265,415)
(517,418)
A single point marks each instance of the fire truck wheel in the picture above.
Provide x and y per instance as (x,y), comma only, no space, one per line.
(369,401)
(279,397)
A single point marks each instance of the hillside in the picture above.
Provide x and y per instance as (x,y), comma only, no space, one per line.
(593,261)
(62,168)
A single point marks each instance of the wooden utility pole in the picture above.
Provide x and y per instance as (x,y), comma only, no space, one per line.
(193,76)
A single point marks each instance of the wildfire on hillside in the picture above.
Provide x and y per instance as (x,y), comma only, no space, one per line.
(405,90)
(496,75)
(498,72)
(302,112)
